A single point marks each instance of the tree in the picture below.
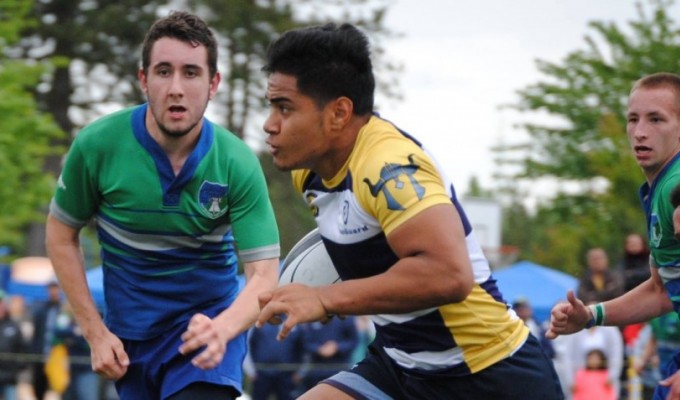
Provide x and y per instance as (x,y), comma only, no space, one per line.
(96,43)
(25,134)
(246,28)
(588,150)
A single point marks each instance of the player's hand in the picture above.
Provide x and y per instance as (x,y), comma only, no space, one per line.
(202,332)
(109,358)
(298,303)
(567,317)
(673,382)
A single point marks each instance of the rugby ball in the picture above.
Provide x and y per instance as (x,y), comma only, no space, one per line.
(308,263)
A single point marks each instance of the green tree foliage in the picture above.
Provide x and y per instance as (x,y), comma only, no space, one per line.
(588,149)
(94,46)
(25,134)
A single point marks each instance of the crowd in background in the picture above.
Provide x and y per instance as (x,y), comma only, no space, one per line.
(43,354)
(606,362)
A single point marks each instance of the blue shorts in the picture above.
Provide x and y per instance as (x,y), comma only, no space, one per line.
(667,370)
(157,369)
(528,374)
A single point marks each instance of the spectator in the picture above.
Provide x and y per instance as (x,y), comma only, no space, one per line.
(608,339)
(663,342)
(44,325)
(366,332)
(328,348)
(634,266)
(593,381)
(12,345)
(275,363)
(598,282)
(525,312)
(84,383)
(645,371)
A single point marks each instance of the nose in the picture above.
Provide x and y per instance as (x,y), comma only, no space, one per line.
(637,131)
(176,88)
(270,126)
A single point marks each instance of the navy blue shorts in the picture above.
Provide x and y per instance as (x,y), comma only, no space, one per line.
(667,370)
(528,374)
(157,369)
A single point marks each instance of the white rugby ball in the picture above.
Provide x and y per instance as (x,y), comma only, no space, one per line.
(308,263)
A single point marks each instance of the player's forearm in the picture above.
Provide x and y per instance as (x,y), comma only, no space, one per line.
(646,301)
(400,290)
(65,254)
(261,276)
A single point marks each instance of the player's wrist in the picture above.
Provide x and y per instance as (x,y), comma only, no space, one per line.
(597,315)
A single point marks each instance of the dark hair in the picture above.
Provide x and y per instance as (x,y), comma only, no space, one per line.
(602,355)
(183,26)
(328,62)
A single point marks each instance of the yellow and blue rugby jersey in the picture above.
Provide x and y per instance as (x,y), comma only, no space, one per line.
(388,178)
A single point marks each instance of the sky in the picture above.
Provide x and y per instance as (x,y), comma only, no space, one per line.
(464,59)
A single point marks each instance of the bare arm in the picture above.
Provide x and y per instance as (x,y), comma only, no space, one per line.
(216,333)
(433,269)
(646,301)
(63,248)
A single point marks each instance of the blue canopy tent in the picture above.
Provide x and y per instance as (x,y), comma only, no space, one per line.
(95,280)
(541,286)
(29,276)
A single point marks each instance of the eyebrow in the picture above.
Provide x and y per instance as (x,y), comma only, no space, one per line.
(279,99)
(185,66)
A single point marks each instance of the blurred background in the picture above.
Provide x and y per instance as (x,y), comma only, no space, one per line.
(523,102)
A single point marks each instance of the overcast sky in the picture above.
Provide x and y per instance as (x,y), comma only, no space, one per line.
(463,59)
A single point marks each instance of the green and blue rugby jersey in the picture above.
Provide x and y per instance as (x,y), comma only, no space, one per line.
(168,242)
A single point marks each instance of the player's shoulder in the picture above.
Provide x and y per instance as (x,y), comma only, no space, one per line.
(380,144)
(228,143)
(103,130)
(670,180)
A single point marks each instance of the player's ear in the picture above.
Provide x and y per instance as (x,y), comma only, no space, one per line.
(341,112)
(141,76)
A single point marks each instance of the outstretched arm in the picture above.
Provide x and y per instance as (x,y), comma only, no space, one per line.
(215,333)
(433,269)
(646,301)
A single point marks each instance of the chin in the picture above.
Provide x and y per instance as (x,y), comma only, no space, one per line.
(282,166)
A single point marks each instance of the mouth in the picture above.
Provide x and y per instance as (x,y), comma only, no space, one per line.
(176,112)
(271,148)
(642,151)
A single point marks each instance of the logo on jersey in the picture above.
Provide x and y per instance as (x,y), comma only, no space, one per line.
(655,234)
(310,197)
(60,183)
(212,198)
(398,175)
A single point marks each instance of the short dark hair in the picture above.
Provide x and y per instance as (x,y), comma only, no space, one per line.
(183,26)
(328,62)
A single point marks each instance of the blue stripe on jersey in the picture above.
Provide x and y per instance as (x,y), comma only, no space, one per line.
(409,338)
(492,289)
(467,226)
(374,257)
(172,185)
(214,248)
